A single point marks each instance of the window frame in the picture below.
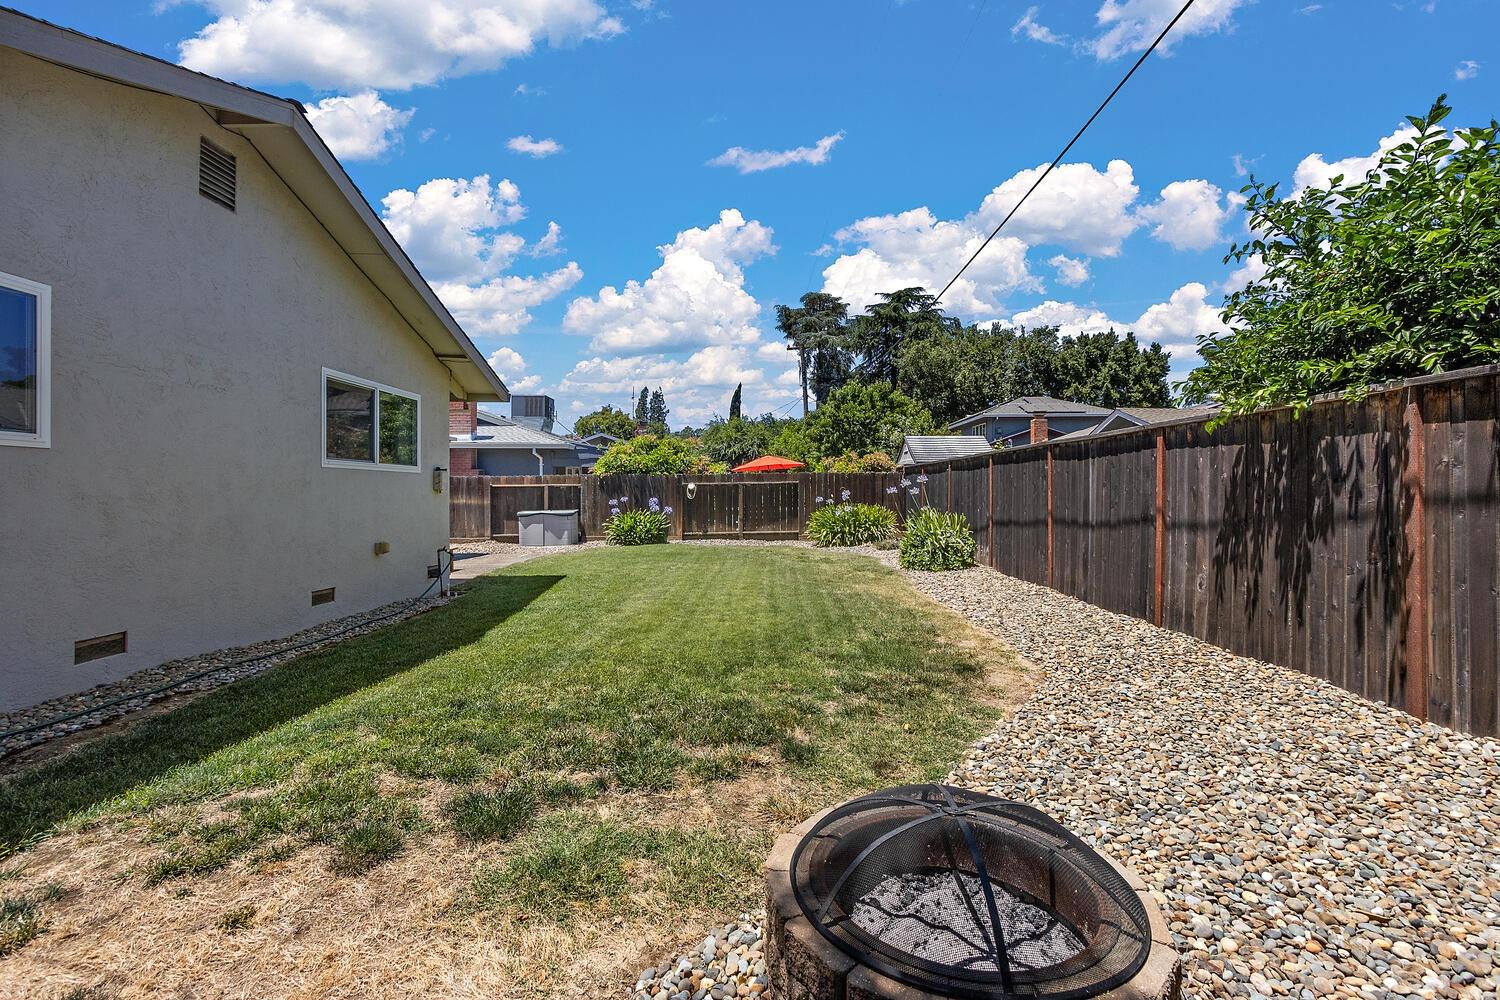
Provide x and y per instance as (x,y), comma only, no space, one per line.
(377,388)
(42,436)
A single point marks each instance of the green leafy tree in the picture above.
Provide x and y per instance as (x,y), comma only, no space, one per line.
(736,400)
(1366,280)
(736,441)
(900,317)
(867,416)
(792,441)
(642,406)
(656,411)
(605,420)
(653,454)
(955,374)
(818,331)
(1104,369)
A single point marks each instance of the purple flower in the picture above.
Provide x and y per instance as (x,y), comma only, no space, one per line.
(843,494)
(922,478)
(820,500)
(891,489)
(666,510)
(905,483)
(914,491)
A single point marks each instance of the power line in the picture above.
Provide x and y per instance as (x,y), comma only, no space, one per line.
(1071,142)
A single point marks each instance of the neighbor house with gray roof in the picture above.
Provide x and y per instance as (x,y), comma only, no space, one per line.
(1126,418)
(224,383)
(1010,423)
(482,443)
(929,449)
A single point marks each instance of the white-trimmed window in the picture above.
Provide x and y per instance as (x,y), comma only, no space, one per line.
(25,362)
(367,425)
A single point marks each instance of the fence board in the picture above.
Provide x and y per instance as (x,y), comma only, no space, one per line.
(1284,538)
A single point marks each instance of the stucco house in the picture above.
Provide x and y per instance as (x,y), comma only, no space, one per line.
(1011,423)
(222,383)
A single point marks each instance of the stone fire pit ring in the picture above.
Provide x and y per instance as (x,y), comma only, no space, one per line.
(896,895)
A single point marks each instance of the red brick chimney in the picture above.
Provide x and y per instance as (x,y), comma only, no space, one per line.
(1038,430)
(463,418)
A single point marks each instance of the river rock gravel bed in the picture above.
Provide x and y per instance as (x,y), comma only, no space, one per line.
(1303,842)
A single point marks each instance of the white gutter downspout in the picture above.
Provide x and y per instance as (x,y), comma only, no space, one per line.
(541,467)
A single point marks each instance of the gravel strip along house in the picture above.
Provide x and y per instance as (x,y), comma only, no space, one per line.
(1303,841)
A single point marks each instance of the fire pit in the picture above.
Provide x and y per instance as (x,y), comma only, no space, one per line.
(931,891)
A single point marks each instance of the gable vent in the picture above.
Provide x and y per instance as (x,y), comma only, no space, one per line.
(216,174)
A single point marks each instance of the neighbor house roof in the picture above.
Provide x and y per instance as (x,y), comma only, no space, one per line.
(1031,406)
(279,130)
(502,433)
(1140,416)
(923,449)
(599,437)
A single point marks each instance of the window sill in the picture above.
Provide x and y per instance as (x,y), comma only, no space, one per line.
(14,440)
(334,463)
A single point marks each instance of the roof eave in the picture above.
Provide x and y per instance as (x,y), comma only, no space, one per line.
(279,130)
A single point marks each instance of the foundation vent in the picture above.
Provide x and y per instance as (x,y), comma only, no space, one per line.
(324,596)
(216,174)
(99,647)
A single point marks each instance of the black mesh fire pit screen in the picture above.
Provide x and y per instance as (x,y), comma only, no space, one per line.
(965,895)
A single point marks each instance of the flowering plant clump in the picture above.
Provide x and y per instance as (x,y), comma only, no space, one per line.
(851,524)
(639,526)
(935,540)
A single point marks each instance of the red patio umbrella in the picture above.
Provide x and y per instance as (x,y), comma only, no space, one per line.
(768,463)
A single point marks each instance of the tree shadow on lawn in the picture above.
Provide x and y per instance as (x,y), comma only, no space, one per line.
(34,800)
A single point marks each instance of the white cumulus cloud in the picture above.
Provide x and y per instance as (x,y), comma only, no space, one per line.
(696,298)
(1178,322)
(1077,206)
(358,126)
(381,44)
(749,161)
(1467,70)
(697,387)
(511,368)
(538,148)
(453,229)
(1190,215)
(1128,26)
(1070,270)
(1034,30)
(1070,318)
(1315,171)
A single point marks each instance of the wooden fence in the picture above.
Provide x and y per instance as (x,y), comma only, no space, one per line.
(1359,543)
(721,506)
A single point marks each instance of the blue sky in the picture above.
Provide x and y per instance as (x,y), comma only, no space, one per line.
(611,194)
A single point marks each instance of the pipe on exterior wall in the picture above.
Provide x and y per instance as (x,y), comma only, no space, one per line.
(541,464)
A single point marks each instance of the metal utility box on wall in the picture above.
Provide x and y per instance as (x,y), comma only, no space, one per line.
(548,527)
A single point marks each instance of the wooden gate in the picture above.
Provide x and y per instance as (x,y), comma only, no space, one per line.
(745,509)
(508,499)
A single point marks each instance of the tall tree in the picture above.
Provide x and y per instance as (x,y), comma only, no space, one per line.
(817,331)
(864,417)
(1108,370)
(605,420)
(1366,280)
(641,406)
(735,401)
(656,411)
(900,317)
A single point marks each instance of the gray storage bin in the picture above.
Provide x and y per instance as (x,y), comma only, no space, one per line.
(548,527)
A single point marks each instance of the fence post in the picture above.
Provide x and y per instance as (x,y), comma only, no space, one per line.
(1414,483)
(989,509)
(949,480)
(1050,548)
(1160,576)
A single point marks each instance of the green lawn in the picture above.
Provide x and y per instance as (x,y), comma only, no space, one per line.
(514,715)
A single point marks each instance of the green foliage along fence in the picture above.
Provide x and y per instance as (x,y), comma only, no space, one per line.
(767,507)
(1359,544)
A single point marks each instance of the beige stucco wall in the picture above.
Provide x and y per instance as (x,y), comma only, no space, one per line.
(183,498)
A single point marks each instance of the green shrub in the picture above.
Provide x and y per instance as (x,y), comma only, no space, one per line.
(851,524)
(655,455)
(875,461)
(637,527)
(935,540)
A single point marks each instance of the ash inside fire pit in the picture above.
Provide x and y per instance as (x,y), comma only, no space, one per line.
(932,916)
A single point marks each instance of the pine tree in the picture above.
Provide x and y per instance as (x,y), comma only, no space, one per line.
(735,401)
(656,410)
(641,405)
